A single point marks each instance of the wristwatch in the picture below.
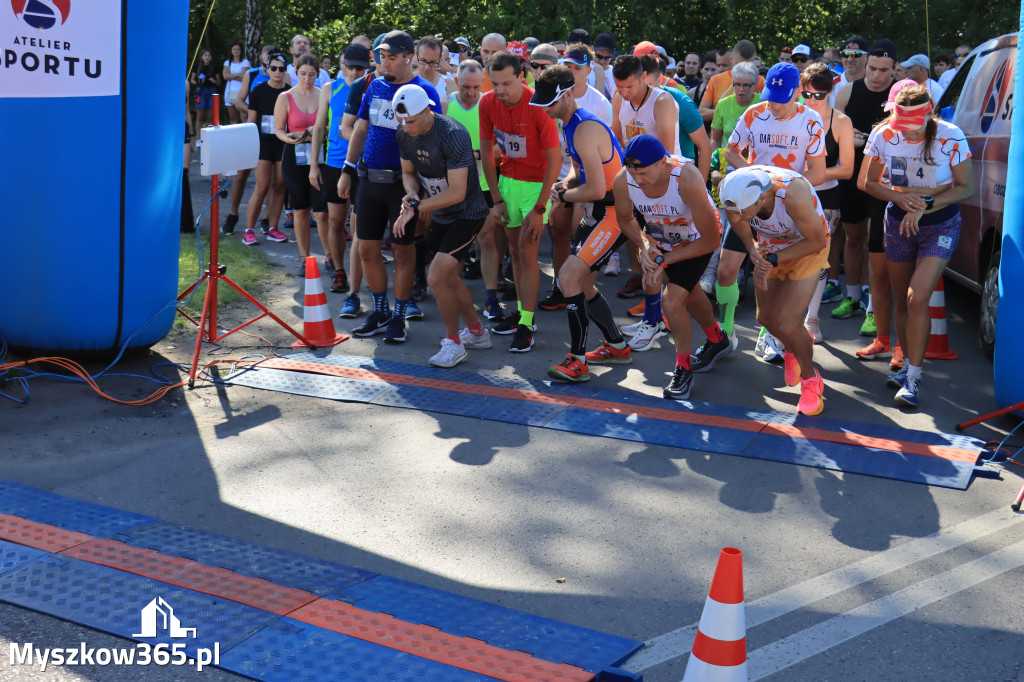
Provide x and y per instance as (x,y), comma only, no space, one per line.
(773,259)
(929,202)
(660,260)
(415,203)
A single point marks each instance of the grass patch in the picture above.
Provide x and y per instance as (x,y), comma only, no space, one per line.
(247,267)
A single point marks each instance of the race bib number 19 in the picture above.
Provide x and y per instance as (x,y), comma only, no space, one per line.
(512,146)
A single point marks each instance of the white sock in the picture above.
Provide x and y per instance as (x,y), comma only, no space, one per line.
(853,291)
(815,304)
(871,303)
(912,371)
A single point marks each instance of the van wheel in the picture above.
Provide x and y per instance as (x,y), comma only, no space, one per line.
(989,304)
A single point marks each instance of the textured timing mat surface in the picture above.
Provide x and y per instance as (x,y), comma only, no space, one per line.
(938,459)
(270,614)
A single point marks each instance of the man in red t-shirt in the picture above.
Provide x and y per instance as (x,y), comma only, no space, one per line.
(521,194)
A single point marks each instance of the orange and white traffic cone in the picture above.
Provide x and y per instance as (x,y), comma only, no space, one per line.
(317,325)
(938,342)
(719,652)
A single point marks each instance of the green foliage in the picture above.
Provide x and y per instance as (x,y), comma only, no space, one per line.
(679,25)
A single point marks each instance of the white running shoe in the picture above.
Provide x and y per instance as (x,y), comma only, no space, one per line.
(646,335)
(759,347)
(631,329)
(772,349)
(812,325)
(613,267)
(471,340)
(451,354)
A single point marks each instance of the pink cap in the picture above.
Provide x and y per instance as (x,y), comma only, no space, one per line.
(895,90)
(519,49)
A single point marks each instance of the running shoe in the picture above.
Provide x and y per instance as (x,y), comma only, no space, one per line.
(264,225)
(554,301)
(876,349)
(351,307)
(708,354)
(707,283)
(328,264)
(375,323)
(679,387)
(419,289)
(811,392)
(396,331)
(909,392)
(772,352)
(339,283)
(897,357)
(792,371)
(646,335)
(509,325)
(249,238)
(276,235)
(289,222)
(607,354)
(471,340)
(413,312)
(631,329)
(638,309)
(522,342)
(230,220)
(898,379)
(813,327)
(613,266)
(493,311)
(868,328)
(451,354)
(759,347)
(634,287)
(832,294)
(847,309)
(571,370)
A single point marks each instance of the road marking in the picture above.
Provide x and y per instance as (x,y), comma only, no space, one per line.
(791,650)
(678,642)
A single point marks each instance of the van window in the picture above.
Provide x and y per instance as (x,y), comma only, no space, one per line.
(951,96)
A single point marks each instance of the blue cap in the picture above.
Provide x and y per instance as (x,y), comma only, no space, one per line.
(780,83)
(644,150)
(376,47)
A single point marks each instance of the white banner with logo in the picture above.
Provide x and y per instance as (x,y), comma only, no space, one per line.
(60,48)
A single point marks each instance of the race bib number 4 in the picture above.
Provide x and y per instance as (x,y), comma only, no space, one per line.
(512,146)
(382,114)
(267,124)
(434,186)
(911,172)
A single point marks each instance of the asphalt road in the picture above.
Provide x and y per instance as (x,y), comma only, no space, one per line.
(847,577)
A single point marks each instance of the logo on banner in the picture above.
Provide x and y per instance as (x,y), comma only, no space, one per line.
(41,14)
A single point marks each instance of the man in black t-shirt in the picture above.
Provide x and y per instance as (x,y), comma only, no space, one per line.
(438,162)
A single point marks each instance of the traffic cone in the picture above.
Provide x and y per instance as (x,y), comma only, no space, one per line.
(938,342)
(317,325)
(719,652)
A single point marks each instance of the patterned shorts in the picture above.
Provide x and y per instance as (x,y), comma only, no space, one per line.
(937,240)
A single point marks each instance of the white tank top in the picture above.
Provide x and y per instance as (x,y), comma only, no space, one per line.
(668,220)
(773,142)
(639,121)
(779,230)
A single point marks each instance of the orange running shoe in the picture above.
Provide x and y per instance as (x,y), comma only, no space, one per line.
(792,373)
(897,357)
(876,349)
(811,392)
(571,370)
(606,354)
(637,310)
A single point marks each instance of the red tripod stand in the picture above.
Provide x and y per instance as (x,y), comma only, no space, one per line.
(207,321)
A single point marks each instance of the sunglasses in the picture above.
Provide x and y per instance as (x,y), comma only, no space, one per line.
(816,95)
(277,68)
(852,54)
(540,65)
(602,56)
(800,59)
(633,164)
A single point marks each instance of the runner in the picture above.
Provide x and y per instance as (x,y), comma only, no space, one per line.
(529,166)
(929,168)
(682,229)
(791,249)
(438,160)
(380,190)
(596,160)
(299,47)
(332,106)
(262,101)
(429,53)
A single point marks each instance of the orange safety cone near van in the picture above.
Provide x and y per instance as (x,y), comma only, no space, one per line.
(720,650)
(317,325)
(938,342)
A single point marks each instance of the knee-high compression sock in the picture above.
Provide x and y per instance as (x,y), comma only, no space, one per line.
(575,308)
(601,313)
(652,308)
(728,297)
(815,304)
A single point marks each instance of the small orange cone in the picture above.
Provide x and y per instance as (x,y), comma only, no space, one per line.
(719,652)
(317,325)
(938,342)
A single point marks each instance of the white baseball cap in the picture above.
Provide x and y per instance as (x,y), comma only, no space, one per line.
(411,98)
(802,49)
(742,187)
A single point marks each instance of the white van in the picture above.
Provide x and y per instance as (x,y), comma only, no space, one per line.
(979,100)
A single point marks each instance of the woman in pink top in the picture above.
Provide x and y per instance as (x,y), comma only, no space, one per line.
(294,119)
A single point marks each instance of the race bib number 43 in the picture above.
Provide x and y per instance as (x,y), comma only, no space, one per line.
(382,114)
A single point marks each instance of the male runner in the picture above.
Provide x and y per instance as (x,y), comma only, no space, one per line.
(530,161)
(380,189)
(780,205)
(438,160)
(298,47)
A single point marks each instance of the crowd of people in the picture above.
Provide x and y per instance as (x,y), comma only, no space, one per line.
(694,173)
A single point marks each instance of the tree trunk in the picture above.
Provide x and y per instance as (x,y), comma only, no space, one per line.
(253,31)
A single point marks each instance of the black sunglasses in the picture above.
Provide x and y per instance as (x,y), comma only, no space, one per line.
(540,65)
(277,68)
(633,164)
(816,95)
(852,54)
(799,58)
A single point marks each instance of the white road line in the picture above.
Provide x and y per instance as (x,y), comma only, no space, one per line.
(678,642)
(802,645)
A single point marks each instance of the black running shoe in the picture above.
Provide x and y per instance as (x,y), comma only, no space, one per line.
(509,325)
(679,387)
(230,220)
(396,331)
(553,302)
(709,353)
(339,283)
(375,323)
(522,342)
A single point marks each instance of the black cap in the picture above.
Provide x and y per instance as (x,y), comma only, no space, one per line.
(357,55)
(396,42)
(860,41)
(885,48)
(579,35)
(545,94)
(604,41)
